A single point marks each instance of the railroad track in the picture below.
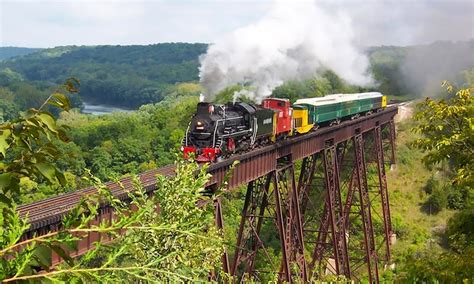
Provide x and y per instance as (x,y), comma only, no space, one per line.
(51,210)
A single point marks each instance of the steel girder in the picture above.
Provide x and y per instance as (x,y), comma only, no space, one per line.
(277,197)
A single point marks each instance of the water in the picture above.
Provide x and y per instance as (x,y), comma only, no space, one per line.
(101,109)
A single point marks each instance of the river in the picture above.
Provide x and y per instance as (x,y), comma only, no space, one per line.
(101,109)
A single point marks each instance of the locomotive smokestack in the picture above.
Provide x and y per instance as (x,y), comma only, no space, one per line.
(204,108)
(201,97)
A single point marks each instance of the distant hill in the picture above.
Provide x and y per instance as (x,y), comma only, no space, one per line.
(9,51)
(116,75)
(130,76)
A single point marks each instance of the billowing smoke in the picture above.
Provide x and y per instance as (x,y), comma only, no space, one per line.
(293,40)
(426,66)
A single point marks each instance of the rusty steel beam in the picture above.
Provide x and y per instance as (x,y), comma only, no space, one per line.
(336,217)
(248,239)
(220,225)
(339,244)
(391,124)
(293,219)
(349,197)
(282,228)
(383,191)
(308,168)
(369,240)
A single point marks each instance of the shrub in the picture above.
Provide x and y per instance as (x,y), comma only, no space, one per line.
(431,185)
(457,198)
(460,230)
(436,202)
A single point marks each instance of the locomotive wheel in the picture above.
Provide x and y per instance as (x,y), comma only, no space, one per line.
(355,116)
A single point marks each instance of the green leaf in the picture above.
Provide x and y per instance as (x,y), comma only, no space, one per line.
(60,100)
(9,182)
(5,180)
(47,170)
(63,254)
(42,255)
(4,199)
(72,85)
(48,120)
(4,145)
(61,178)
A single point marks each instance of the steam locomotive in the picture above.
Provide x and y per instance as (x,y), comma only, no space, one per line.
(217,131)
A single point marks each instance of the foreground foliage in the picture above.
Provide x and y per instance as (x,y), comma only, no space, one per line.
(448,133)
(178,244)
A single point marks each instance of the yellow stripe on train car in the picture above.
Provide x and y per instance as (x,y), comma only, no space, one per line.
(384,101)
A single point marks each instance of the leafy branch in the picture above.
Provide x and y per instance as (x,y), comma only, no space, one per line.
(447,128)
(162,237)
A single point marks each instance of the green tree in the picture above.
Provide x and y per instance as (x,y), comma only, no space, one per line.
(447,129)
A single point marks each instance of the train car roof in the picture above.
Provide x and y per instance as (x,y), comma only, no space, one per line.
(337,98)
(277,99)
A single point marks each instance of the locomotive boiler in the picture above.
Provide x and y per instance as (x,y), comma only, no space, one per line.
(220,130)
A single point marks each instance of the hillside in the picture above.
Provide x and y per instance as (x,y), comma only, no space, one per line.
(131,76)
(7,52)
(116,75)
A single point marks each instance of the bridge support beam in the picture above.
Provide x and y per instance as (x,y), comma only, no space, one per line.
(365,209)
(248,238)
(273,197)
(383,191)
(286,203)
(220,225)
(332,217)
(285,188)
(392,141)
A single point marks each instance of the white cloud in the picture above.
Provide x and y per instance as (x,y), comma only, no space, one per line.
(46,23)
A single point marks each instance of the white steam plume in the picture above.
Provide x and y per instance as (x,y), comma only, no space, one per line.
(293,40)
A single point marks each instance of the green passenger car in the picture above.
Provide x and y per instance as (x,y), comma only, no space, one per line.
(339,106)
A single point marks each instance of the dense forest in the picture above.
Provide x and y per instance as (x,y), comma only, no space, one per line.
(126,76)
(7,52)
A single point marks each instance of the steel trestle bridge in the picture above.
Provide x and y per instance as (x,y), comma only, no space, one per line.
(331,218)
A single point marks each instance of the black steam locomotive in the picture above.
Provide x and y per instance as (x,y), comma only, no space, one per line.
(220,130)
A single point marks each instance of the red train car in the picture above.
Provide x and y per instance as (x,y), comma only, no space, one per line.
(283,115)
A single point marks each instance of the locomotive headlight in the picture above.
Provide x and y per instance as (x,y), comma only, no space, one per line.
(199,125)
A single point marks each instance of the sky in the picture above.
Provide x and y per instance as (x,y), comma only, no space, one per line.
(45,23)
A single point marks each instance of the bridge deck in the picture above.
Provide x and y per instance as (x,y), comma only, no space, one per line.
(253,164)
